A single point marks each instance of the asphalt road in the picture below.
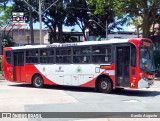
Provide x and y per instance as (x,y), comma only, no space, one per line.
(24,98)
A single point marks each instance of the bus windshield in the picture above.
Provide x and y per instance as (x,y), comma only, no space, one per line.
(146,58)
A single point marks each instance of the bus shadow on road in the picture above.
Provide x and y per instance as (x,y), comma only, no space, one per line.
(59,87)
(125,92)
(138,93)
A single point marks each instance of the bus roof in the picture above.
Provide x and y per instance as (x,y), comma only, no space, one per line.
(111,41)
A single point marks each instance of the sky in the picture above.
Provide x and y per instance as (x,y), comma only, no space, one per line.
(36,26)
(76,28)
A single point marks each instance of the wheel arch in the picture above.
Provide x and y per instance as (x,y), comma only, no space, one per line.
(101,76)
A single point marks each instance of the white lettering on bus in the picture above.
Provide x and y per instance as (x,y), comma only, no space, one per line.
(62,45)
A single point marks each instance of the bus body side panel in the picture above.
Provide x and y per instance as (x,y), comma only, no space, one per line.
(7,68)
(19,73)
(70,74)
(134,75)
(19,68)
(31,70)
(8,71)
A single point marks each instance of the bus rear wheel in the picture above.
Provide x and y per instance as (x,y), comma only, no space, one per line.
(38,81)
(105,85)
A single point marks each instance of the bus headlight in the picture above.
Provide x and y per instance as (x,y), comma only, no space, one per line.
(150,76)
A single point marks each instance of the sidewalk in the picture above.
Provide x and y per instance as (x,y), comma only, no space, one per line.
(1,77)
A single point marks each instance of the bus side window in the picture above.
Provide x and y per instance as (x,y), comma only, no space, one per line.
(81,54)
(101,54)
(32,56)
(8,57)
(67,59)
(63,55)
(76,59)
(47,55)
(133,55)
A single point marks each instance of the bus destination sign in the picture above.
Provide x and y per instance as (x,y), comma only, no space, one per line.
(145,43)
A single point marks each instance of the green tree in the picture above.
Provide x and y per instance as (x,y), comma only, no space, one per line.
(7,40)
(77,15)
(54,18)
(131,9)
(5,12)
(66,12)
(3,3)
(5,15)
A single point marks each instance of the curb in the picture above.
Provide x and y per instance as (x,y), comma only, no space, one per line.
(1,77)
(157,78)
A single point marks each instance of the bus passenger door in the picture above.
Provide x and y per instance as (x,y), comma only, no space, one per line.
(19,71)
(123,66)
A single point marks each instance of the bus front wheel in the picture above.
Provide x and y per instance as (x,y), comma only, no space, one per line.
(38,81)
(105,85)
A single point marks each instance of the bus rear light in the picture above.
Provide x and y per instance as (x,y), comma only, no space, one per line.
(106,67)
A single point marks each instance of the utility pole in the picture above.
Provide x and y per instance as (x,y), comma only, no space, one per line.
(106,28)
(0,41)
(106,31)
(18,37)
(31,26)
(40,15)
(40,21)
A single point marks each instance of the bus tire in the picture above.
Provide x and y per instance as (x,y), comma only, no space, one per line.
(37,81)
(105,85)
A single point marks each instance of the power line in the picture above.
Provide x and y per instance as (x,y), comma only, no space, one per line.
(79,8)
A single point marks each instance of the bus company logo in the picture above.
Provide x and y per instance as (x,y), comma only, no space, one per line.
(79,70)
(17,17)
(44,68)
(60,69)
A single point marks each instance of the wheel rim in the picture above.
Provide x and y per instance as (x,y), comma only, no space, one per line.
(104,85)
(38,81)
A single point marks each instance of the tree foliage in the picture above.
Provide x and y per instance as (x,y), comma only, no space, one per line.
(77,15)
(131,9)
(5,15)
(68,13)
(7,40)
(5,12)
(78,9)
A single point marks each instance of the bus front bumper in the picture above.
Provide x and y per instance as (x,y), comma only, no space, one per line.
(145,83)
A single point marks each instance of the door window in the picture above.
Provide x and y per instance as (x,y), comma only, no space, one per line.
(19,59)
